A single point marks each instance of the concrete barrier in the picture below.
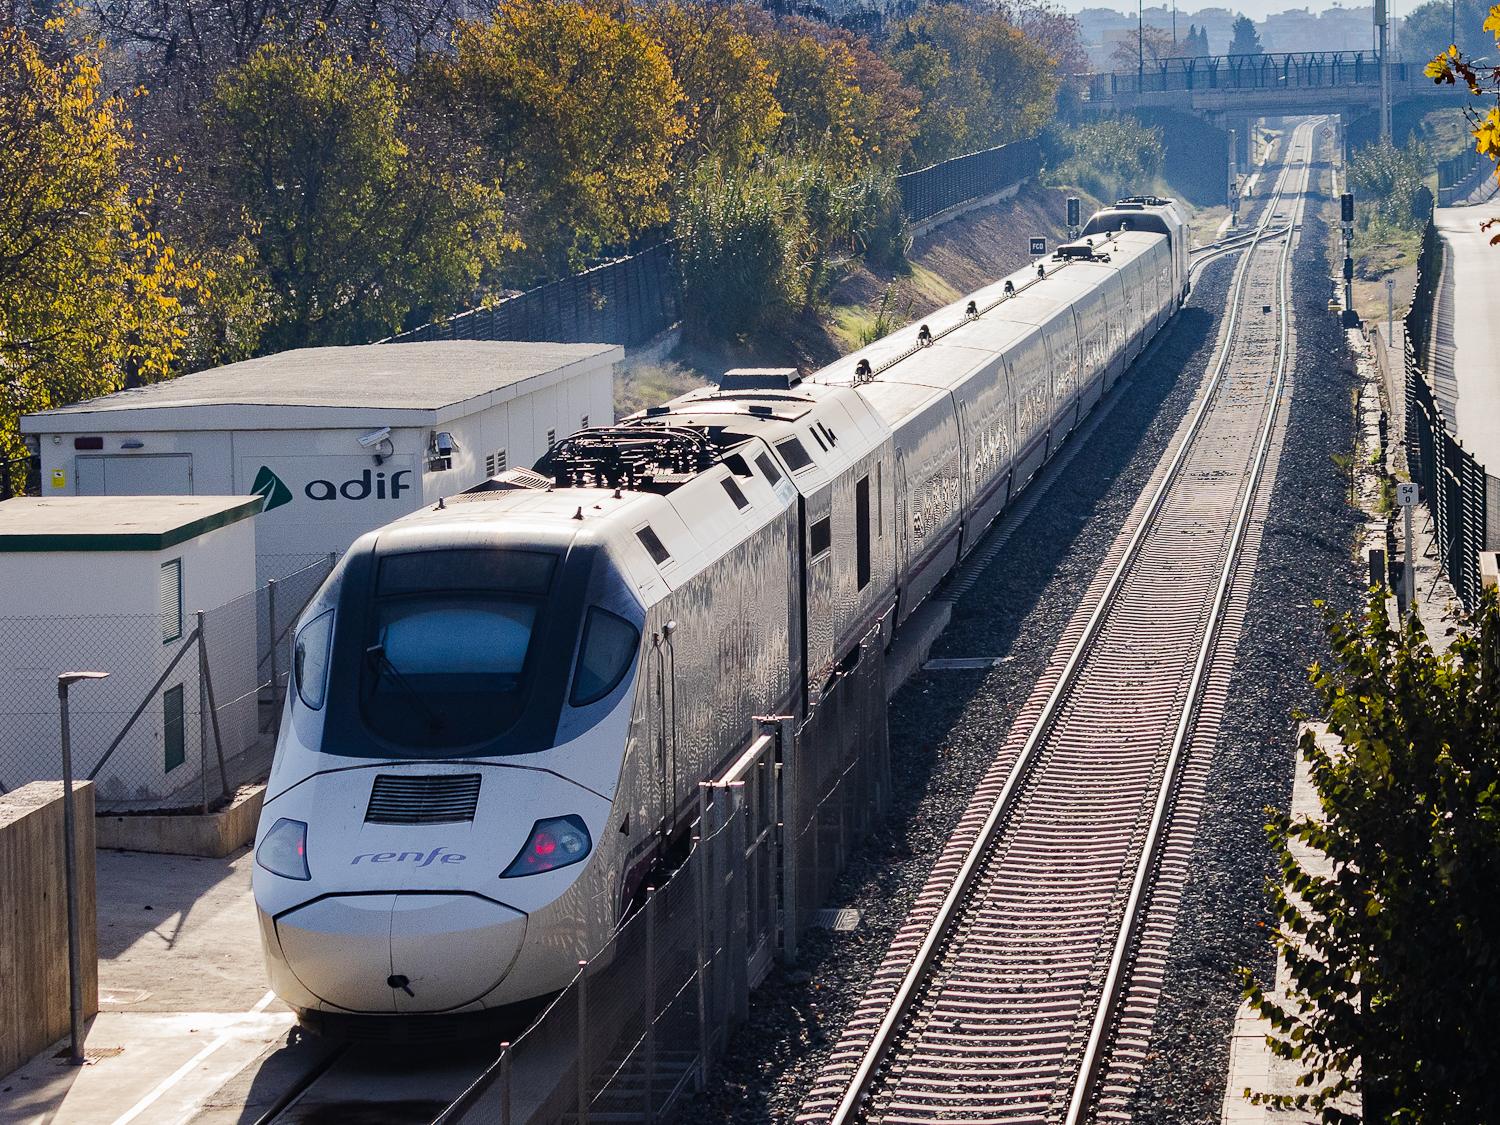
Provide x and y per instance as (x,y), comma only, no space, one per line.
(34,917)
(215,835)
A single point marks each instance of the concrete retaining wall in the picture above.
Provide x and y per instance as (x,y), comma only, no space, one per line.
(34,918)
(215,835)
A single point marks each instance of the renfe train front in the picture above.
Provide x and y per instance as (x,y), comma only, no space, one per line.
(501,707)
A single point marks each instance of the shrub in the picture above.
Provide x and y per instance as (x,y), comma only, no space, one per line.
(1112,157)
(738,236)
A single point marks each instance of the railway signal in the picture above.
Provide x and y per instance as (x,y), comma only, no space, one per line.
(1406,497)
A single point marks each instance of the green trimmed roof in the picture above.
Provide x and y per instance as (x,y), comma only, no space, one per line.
(115,523)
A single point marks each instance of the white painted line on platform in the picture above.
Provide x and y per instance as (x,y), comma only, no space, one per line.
(186,1068)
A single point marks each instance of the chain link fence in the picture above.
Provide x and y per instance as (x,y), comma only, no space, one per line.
(1463,498)
(629,301)
(937,188)
(180,723)
(646,1016)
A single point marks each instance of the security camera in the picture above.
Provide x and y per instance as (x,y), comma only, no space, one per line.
(375,437)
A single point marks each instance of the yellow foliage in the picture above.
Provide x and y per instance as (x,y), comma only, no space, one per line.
(89,292)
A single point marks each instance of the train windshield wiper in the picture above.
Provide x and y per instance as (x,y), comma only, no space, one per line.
(377,652)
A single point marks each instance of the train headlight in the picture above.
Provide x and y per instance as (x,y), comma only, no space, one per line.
(553,843)
(283,850)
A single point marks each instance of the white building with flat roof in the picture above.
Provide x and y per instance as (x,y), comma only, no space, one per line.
(112,584)
(337,441)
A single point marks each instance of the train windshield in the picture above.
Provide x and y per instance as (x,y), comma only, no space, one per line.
(450,651)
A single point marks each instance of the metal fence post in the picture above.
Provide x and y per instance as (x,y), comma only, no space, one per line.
(202,732)
(272,636)
(700,884)
(505,1083)
(789,808)
(650,1045)
(206,677)
(739,920)
(583,1043)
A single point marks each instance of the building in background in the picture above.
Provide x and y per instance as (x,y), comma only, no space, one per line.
(336,441)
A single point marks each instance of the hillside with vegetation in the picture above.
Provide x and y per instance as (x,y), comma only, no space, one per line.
(191,184)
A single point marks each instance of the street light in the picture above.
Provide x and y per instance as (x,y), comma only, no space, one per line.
(70,876)
(1140,45)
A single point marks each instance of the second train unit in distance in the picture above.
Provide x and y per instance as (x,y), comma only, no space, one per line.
(503,705)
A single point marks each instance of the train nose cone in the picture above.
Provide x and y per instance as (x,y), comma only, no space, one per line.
(401,953)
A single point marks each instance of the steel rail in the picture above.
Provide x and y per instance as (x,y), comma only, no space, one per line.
(850,1103)
(1095,1050)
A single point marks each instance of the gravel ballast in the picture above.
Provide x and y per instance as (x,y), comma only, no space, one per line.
(945,727)
(1306,555)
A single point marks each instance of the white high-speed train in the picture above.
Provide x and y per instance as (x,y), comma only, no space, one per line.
(503,705)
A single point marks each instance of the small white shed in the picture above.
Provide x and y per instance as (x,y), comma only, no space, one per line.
(111,584)
(337,441)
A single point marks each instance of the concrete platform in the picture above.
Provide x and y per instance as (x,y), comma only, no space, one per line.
(184,1008)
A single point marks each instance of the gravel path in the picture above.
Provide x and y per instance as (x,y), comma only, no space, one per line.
(946,726)
(1305,555)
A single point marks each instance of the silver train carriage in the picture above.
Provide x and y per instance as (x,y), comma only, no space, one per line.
(503,705)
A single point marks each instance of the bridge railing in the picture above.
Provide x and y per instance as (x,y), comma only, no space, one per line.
(1291,70)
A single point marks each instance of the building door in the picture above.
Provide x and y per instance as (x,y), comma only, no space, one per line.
(147,474)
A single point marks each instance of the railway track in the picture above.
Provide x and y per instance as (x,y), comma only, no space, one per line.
(1023,985)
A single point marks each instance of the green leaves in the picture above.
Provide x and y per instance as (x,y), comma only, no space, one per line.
(357,215)
(1391,958)
(90,292)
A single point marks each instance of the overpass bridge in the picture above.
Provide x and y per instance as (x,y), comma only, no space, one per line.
(1232,90)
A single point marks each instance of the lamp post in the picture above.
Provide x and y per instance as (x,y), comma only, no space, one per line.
(1140,45)
(70,874)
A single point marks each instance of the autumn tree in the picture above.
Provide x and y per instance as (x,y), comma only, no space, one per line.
(185,46)
(1391,956)
(982,82)
(1456,67)
(90,293)
(357,221)
(729,107)
(1152,45)
(578,116)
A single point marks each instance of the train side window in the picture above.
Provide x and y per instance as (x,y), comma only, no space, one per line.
(734,493)
(862,531)
(794,454)
(820,537)
(310,659)
(608,649)
(659,553)
(768,467)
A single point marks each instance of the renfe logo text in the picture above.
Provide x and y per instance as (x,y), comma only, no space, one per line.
(421,859)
